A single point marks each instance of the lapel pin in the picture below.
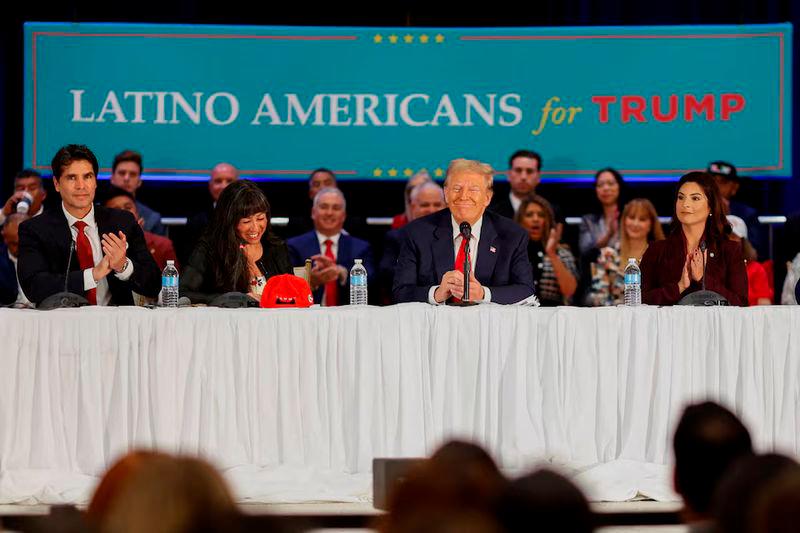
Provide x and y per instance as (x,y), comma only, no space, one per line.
(492,249)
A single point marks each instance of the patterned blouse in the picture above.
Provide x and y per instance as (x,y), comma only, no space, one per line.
(607,286)
(544,276)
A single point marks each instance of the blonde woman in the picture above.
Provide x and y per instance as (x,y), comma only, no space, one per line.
(640,227)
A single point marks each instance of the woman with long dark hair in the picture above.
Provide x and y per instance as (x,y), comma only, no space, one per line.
(601,228)
(555,272)
(674,267)
(238,252)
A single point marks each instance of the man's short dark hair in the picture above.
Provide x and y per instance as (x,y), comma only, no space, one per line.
(69,154)
(27,173)
(321,169)
(707,441)
(530,154)
(126,156)
(113,191)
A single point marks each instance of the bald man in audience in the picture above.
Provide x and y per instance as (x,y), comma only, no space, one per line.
(159,247)
(425,198)
(222,175)
(10,291)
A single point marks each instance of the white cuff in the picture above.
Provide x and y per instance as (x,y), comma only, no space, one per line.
(88,280)
(487,295)
(431,299)
(126,272)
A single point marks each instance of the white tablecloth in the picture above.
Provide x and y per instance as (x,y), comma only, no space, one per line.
(294,404)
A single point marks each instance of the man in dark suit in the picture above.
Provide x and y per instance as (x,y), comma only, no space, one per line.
(109,259)
(524,174)
(424,199)
(331,250)
(10,292)
(431,258)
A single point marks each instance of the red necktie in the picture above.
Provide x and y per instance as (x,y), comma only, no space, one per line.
(85,257)
(332,287)
(460,261)
(460,257)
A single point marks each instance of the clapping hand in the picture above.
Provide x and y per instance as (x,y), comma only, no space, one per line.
(554,239)
(323,270)
(453,285)
(696,261)
(115,247)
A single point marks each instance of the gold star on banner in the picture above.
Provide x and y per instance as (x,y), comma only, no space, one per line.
(424,39)
(377,173)
(408,38)
(439,38)
(393,172)
(408,172)
(378,39)
(393,39)
(438,172)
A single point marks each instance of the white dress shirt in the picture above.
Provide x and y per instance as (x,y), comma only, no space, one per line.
(474,240)
(515,202)
(91,231)
(21,298)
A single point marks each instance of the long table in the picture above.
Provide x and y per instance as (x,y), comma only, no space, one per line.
(293,404)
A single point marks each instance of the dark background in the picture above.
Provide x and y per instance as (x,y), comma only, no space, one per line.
(370,198)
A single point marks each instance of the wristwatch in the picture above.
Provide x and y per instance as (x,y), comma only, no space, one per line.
(127,262)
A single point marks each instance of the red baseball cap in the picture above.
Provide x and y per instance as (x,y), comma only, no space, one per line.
(286,290)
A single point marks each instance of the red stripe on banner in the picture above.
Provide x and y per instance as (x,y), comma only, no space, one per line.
(208,36)
(616,36)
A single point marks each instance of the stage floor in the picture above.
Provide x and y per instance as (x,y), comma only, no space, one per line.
(366,508)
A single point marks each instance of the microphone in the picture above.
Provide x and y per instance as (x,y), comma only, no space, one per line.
(69,263)
(466,234)
(64,299)
(703,249)
(466,230)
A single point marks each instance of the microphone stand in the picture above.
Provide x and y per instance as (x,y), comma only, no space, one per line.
(467,271)
(464,302)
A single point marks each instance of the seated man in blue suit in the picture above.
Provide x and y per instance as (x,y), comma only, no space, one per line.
(10,291)
(427,268)
(331,250)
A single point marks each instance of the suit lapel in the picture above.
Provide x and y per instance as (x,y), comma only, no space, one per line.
(344,254)
(443,254)
(62,237)
(486,257)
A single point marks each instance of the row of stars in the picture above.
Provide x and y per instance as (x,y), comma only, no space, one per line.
(408,38)
(393,172)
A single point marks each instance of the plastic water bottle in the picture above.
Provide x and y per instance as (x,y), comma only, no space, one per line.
(633,283)
(358,284)
(169,285)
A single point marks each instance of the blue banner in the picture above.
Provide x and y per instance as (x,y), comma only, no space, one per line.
(385,103)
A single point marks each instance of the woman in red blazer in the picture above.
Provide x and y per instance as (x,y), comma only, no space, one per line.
(673,268)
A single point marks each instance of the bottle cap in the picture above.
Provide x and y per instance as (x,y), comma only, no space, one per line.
(631,260)
(357,261)
(170,261)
